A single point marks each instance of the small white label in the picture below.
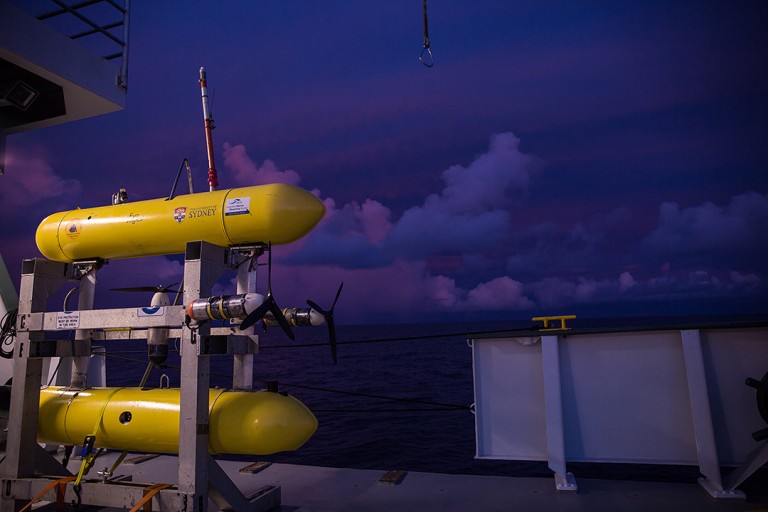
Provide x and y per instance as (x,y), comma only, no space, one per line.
(153,311)
(67,320)
(237,206)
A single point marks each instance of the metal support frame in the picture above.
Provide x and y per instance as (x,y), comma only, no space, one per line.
(706,447)
(553,403)
(82,345)
(242,371)
(39,279)
(199,475)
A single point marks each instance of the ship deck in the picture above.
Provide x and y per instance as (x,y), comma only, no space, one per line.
(312,488)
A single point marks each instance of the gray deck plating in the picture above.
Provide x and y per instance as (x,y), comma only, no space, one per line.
(321,489)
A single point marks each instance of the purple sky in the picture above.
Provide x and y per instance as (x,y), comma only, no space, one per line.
(602,158)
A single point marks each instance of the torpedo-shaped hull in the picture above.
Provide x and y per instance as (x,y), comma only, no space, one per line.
(276,213)
(135,419)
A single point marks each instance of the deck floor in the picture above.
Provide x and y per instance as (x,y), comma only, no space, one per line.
(323,489)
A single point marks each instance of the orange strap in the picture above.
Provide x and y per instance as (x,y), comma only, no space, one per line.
(149,492)
(60,485)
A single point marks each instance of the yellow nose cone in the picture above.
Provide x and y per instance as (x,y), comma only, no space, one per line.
(259,423)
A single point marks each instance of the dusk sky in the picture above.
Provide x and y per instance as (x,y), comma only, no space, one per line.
(599,158)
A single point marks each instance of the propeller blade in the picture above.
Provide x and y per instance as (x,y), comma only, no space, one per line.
(338,292)
(281,320)
(328,315)
(257,314)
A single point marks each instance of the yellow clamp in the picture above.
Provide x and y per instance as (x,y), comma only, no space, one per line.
(548,319)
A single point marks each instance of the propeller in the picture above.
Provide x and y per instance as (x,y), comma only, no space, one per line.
(328,315)
(269,305)
(155,289)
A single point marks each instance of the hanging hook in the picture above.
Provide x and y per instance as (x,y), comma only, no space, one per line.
(426,57)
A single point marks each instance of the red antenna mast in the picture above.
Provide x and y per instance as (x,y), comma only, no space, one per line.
(213,179)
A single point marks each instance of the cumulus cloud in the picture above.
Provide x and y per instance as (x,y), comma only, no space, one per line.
(708,227)
(246,172)
(460,251)
(487,184)
(471,212)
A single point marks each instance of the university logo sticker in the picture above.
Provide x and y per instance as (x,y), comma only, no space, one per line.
(179,213)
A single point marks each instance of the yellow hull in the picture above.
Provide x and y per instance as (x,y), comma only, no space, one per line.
(135,419)
(276,213)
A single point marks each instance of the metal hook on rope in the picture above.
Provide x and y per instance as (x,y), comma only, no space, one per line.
(426,56)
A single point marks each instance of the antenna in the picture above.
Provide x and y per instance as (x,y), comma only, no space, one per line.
(213,181)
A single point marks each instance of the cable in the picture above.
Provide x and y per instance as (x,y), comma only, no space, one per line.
(420,409)
(402,338)
(8,333)
(436,406)
(379,397)
(184,162)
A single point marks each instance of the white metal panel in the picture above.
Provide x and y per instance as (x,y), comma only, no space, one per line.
(625,398)
(624,394)
(509,400)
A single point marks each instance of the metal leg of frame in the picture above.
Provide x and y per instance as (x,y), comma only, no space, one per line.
(200,477)
(202,267)
(242,370)
(39,279)
(553,404)
(706,448)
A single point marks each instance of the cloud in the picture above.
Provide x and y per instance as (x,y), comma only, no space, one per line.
(460,251)
(468,216)
(498,294)
(738,226)
(488,183)
(245,172)
(471,213)
(29,179)
(626,281)
(467,248)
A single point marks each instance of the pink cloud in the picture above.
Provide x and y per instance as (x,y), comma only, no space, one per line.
(497,294)
(246,172)
(28,179)
(626,281)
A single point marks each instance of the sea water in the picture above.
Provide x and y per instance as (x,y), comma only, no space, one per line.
(389,402)
(398,397)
